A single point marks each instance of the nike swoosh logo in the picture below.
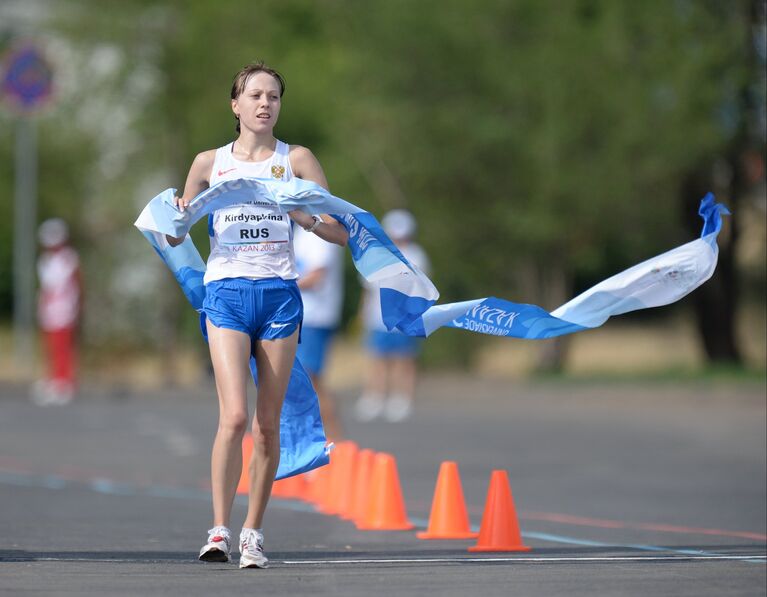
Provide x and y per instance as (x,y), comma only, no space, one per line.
(222,172)
(277,326)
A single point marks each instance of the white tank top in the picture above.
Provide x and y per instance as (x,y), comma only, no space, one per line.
(250,240)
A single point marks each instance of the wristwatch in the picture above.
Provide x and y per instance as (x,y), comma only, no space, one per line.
(317,221)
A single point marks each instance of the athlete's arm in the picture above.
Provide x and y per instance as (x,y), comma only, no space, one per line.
(312,279)
(197,181)
(306,166)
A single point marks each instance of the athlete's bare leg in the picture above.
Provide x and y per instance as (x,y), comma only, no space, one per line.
(274,360)
(230,354)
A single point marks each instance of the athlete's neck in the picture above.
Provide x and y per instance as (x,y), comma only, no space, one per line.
(254,148)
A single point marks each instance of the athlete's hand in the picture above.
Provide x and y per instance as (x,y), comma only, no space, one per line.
(181,203)
(301,218)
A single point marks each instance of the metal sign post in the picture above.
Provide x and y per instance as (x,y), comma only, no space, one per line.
(26,86)
(24,245)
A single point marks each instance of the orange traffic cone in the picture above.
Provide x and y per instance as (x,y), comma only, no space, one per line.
(385,510)
(319,484)
(322,491)
(500,529)
(363,472)
(341,471)
(298,486)
(278,489)
(292,487)
(347,474)
(312,478)
(448,519)
(243,487)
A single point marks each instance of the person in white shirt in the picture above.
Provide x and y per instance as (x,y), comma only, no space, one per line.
(58,313)
(320,268)
(390,384)
(252,302)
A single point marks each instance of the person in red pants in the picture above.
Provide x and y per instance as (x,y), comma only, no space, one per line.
(58,312)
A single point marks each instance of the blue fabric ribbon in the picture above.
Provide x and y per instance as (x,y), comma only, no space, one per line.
(408,297)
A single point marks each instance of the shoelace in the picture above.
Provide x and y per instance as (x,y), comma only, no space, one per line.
(252,541)
(219,532)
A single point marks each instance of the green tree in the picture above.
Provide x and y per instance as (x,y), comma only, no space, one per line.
(544,143)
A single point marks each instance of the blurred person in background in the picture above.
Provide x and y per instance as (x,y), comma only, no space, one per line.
(320,268)
(390,384)
(252,301)
(58,313)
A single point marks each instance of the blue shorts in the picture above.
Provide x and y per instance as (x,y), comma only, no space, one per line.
(314,348)
(393,344)
(266,309)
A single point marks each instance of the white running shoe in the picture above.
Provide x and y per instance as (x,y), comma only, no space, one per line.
(52,392)
(398,408)
(252,549)
(369,407)
(218,546)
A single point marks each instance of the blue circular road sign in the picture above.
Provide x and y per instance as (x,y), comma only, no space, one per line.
(27,78)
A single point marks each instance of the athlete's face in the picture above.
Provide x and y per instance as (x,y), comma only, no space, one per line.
(258,106)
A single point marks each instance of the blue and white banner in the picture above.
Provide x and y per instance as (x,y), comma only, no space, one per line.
(659,281)
(408,297)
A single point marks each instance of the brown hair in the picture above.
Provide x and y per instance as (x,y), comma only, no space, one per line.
(242,77)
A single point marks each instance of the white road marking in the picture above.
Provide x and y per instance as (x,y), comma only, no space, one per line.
(525,560)
(751,558)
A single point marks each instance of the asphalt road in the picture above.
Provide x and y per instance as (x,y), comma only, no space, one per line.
(621,489)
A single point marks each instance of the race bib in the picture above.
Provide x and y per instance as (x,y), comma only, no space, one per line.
(250,229)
